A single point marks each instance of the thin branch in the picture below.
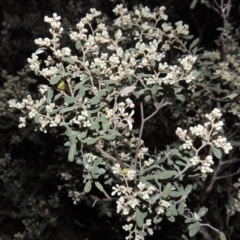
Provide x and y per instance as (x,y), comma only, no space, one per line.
(106,155)
(229,175)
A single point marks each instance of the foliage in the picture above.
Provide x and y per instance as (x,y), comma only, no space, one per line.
(114,95)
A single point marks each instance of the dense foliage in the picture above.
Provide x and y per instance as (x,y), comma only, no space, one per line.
(127,113)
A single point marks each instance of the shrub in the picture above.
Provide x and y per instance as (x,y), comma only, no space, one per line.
(118,92)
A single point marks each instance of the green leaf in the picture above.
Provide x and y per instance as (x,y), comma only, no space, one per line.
(55,79)
(180,97)
(181,207)
(142,233)
(70,99)
(105,124)
(231,96)
(188,189)
(196,94)
(222,236)
(36,118)
(88,187)
(127,90)
(82,135)
(167,190)
(193,4)
(180,163)
(153,63)
(166,174)
(67,109)
(109,137)
(49,95)
(95,100)
(216,151)
(202,211)
(194,228)
(91,141)
(109,82)
(154,89)
(99,186)
(140,218)
(155,198)
(78,45)
(176,152)
(175,194)
(129,76)
(171,219)
(72,152)
(94,126)
(68,59)
(194,43)
(188,37)
(231,201)
(80,84)
(58,96)
(147,98)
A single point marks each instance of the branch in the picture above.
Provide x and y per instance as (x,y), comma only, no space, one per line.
(106,155)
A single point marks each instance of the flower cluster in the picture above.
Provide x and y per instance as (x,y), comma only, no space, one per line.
(75,195)
(118,67)
(209,134)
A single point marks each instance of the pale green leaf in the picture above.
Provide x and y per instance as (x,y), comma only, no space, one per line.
(222,236)
(181,207)
(180,97)
(167,190)
(154,89)
(55,79)
(88,187)
(99,186)
(166,174)
(72,152)
(129,76)
(147,98)
(193,4)
(171,219)
(188,189)
(194,228)
(194,43)
(82,135)
(49,95)
(109,137)
(70,99)
(127,90)
(67,109)
(91,141)
(68,59)
(217,152)
(78,45)
(140,218)
(58,96)
(202,211)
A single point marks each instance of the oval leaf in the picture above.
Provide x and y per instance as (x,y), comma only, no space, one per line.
(99,186)
(167,190)
(181,208)
(55,79)
(216,151)
(193,229)
(166,174)
(72,152)
(88,187)
(202,211)
(222,236)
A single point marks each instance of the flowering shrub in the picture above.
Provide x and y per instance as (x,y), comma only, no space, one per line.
(120,82)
